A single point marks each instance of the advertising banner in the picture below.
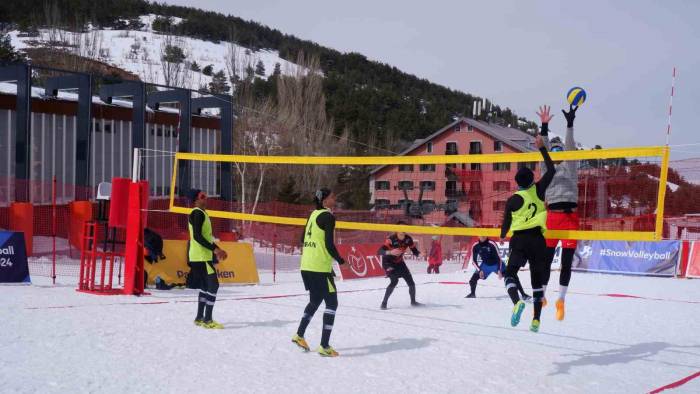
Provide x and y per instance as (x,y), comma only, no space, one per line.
(13,258)
(362,261)
(503,249)
(239,267)
(641,258)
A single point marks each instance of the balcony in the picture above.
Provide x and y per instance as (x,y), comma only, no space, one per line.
(463,175)
(455,194)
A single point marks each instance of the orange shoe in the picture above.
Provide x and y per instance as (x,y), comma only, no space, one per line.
(560,309)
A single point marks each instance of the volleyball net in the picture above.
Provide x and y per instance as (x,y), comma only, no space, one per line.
(621,192)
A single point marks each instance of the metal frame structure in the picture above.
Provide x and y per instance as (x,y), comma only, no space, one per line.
(136,90)
(21,73)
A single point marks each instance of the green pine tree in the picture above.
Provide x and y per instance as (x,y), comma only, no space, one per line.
(219,83)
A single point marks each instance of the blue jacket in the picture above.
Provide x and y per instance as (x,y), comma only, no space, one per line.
(485,253)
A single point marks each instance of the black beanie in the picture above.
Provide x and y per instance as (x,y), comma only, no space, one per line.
(524,177)
(321,195)
(193,194)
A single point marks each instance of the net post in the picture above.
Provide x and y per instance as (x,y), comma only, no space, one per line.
(136,166)
(658,233)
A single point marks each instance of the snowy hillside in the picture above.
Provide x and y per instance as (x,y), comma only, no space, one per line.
(140,52)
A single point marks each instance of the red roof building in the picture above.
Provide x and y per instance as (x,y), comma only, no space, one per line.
(429,194)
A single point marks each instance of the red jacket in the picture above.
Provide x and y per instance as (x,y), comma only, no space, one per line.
(435,255)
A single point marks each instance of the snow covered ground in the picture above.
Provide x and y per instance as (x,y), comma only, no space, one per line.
(57,340)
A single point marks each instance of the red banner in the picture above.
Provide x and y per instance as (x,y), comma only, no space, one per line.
(362,261)
(694,261)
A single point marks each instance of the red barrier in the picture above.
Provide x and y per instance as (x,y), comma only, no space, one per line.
(79,213)
(22,220)
(136,222)
(693,270)
(362,261)
(118,202)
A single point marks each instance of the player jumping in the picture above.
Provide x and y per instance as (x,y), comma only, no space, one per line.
(526,216)
(562,201)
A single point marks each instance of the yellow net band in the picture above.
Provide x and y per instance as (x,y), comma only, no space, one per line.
(466,231)
(429,159)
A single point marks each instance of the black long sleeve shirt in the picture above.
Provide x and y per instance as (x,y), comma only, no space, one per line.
(515,202)
(196,219)
(326,221)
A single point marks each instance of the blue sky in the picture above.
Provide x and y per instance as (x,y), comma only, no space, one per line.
(522,54)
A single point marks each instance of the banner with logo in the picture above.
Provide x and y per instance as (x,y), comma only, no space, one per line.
(503,250)
(641,258)
(239,267)
(13,258)
(362,261)
(693,270)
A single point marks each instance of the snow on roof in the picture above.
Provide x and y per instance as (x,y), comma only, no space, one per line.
(10,88)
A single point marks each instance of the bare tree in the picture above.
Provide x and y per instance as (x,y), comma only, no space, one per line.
(172,56)
(308,131)
(256,133)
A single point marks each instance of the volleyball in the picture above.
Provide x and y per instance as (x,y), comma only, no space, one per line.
(576,96)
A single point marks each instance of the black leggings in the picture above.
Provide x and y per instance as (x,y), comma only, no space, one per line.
(567,258)
(208,284)
(321,289)
(400,271)
(528,246)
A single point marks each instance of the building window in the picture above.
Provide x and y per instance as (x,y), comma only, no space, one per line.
(427,185)
(429,147)
(458,127)
(475,148)
(470,128)
(405,167)
(476,167)
(381,185)
(530,164)
(498,146)
(499,205)
(381,203)
(405,185)
(450,188)
(451,148)
(501,166)
(403,203)
(427,167)
(501,186)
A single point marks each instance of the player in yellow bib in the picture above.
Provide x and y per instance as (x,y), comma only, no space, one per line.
(317,255)
(526,217)
(201,259)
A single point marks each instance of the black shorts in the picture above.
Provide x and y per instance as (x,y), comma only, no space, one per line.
(399,270)
(528,247)
(318,283)
(197,278)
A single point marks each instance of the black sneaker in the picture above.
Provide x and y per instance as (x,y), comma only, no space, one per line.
(416,303)
(383,306)
(470,295)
